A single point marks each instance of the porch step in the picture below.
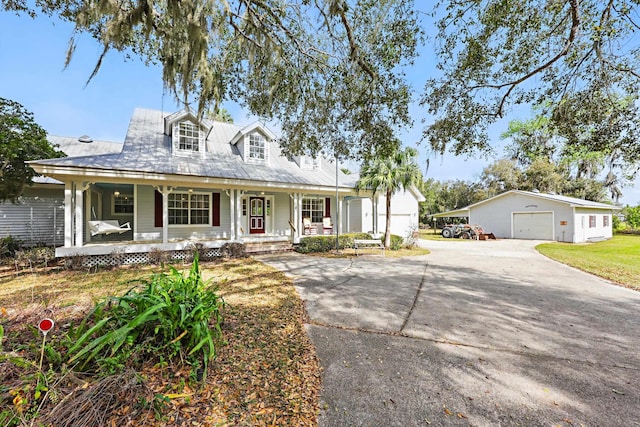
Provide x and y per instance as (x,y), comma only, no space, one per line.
(268,247)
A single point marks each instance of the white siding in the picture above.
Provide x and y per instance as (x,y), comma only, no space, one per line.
(357,215)
(495,216)
(37,219)
(404,213)
(499,216)
(281,214)
(145,215)
(583,230)
(146,229)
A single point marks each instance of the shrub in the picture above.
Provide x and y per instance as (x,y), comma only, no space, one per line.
(117,257)
(158,256)
(632,215)
(396,242)
(234,250)
(8,246)
(194,250)
(76,262)
(39,256)
(314,244)
(168,318)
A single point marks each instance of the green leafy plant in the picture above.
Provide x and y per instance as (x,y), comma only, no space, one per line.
(8,246)
(173,315)
(396,242)
(314,244)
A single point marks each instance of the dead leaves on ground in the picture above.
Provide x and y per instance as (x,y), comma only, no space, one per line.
(267,374)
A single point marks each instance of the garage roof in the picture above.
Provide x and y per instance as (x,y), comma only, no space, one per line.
(458,213)
(572,201)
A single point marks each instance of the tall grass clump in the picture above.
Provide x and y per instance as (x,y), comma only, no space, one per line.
(171,316)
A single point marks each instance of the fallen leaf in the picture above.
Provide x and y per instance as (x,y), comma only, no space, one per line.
(177,395)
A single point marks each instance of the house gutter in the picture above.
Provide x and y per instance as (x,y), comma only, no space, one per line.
(152,178)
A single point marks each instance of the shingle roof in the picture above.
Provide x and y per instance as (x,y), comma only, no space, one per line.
(148,149)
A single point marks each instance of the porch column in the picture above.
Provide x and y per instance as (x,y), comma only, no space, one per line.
(374,204)
(165,214)
(87,210)
(238,216)
(233,222)
(78,214)
(135,211)
(297,217)
(68,214)
(347,214)
(338,215)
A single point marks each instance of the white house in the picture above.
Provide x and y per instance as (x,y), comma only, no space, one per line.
(520,214)
(363,212)
(177,181)
(37,217)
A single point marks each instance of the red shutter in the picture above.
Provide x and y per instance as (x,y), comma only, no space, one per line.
(327,206)
(215,210)
(158,209)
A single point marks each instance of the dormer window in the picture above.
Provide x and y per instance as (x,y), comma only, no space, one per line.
(188,136)
(252,143)
(257,147)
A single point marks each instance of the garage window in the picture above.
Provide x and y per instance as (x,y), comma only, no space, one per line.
(592,221)
(605,220)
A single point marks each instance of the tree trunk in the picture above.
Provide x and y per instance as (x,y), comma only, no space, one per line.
(387,232)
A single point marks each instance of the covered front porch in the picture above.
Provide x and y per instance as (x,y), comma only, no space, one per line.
(108,217)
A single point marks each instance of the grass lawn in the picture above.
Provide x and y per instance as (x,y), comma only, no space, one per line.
(266,374)
(429,234)
(617,259)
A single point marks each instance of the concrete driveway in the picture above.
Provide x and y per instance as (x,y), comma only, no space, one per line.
(478,333)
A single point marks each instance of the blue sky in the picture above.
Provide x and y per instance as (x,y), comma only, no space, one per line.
(33,54)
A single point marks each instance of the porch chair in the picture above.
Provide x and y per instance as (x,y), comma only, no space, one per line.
(108,227)
(327,226)
(308,227)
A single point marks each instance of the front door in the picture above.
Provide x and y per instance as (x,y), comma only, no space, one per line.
(256,215)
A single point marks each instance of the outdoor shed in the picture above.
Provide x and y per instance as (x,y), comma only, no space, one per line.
(529,215)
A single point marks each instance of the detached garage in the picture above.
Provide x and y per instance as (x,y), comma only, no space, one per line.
(537,216)
(533,225)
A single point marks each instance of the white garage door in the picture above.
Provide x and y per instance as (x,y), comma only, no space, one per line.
(533,225)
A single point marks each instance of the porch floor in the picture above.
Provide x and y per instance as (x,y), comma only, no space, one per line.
(131,247)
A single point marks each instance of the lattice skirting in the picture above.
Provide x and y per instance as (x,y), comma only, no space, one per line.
(121,258)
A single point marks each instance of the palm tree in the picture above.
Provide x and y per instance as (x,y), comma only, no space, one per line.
(388,175)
